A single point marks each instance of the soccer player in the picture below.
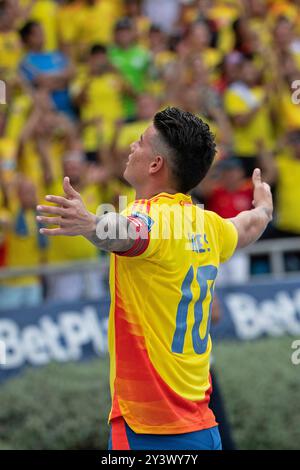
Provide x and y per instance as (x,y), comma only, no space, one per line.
(162,283)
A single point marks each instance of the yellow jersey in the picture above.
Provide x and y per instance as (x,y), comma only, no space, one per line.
(24,247)
(8,150)
(103,100)
(95,23)
(239,99)
(10,53)
(19,110)
(288,193)
(66,28)
(288,112)
(161,297)
(45,12)
(30,164)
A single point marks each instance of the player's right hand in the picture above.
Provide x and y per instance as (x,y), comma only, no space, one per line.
(70,214)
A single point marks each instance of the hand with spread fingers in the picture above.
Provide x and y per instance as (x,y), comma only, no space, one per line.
(70,214)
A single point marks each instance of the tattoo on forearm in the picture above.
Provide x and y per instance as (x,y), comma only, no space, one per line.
(111,233)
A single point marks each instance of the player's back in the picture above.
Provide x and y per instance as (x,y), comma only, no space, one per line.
(160,316)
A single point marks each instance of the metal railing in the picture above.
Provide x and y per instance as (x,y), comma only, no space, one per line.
(55,268)
(274,249)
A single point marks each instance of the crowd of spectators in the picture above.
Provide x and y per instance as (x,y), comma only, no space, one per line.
(83,79)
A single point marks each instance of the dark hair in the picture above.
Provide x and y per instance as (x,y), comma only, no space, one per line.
(190,143)
(155,28)
(26,30)
(124,23)
(294,136)
(98,49)
(3,6)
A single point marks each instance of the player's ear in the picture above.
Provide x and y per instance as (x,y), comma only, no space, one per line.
(156,164)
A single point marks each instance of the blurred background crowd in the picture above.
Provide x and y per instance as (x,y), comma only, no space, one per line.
(84,78)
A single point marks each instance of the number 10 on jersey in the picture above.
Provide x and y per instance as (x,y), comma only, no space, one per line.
(204,274)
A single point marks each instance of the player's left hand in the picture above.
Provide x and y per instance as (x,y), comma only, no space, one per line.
(70,214)
(262,195)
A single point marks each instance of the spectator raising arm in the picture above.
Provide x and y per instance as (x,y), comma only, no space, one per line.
(251,224)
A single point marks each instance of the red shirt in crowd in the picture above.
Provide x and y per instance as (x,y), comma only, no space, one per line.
(230,203)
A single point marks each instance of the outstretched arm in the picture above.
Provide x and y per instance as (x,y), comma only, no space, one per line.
(109,232)
(251,224)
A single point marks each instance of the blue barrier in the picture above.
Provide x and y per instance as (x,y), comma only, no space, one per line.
(57,332)
(267,308)
(76,331)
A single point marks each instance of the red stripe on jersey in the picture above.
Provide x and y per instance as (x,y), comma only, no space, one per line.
(118,434)
(148,206)
(141,244)
(156,198)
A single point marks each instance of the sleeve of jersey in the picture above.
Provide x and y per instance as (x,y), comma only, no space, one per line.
(142,239)
(146,219)
(228,239)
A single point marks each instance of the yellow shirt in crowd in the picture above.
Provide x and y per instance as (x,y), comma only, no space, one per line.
(67,29)
(95,23)
(45,12)
(103,100)
(7,159)
(288,193)
(30,164)
(23,250)
(10,53)
(245,138)
(288,112)
(20,106)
